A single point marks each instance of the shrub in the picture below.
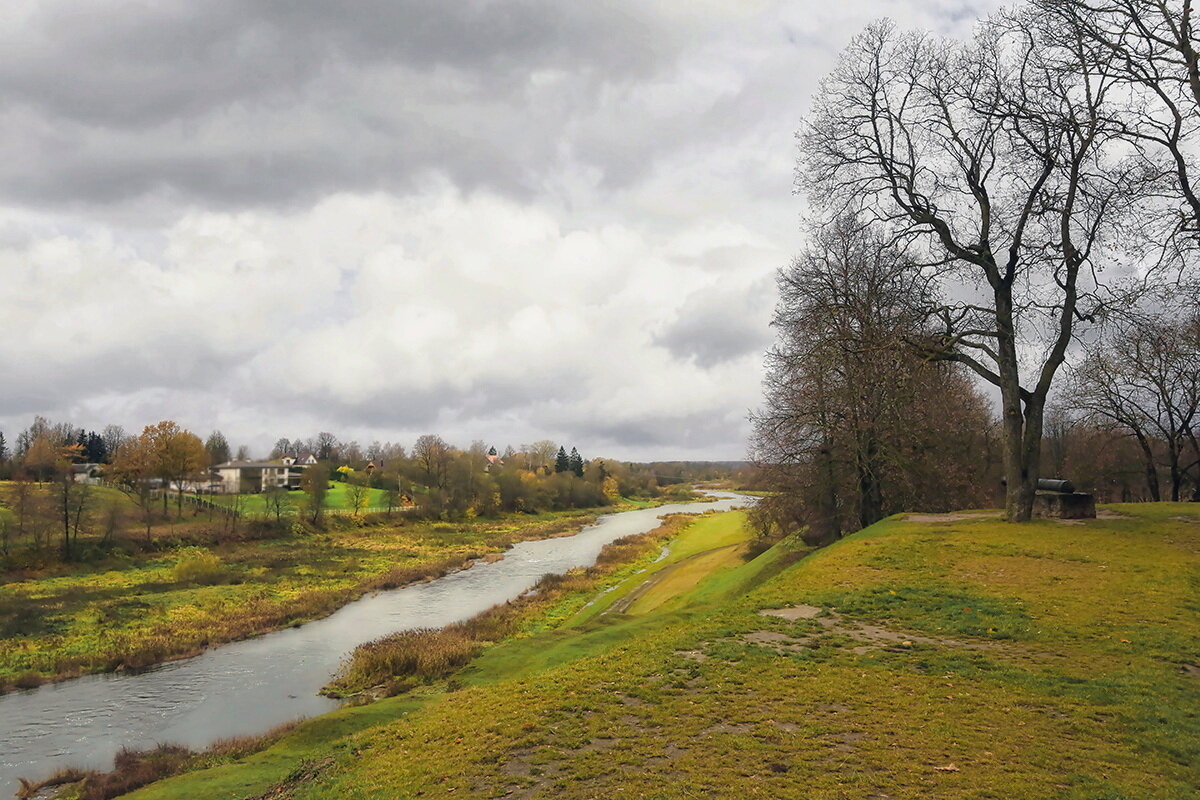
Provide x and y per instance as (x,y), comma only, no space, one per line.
(200,567)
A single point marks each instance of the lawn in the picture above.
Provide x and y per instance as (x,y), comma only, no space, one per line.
(338,498)
(947,658)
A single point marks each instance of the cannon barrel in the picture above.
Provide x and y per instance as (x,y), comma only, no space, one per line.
(1049,485)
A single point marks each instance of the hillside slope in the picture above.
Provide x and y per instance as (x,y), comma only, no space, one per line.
(941,657)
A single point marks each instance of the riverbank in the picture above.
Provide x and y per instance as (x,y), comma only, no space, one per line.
(136,611)
(950,658)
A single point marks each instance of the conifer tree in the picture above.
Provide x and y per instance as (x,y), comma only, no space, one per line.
(218,448)
(95,451)
(561,462)
(576,462)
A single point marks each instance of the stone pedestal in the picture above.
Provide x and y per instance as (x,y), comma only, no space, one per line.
(1064,505)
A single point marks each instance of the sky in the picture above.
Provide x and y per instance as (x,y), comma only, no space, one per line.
(505,221)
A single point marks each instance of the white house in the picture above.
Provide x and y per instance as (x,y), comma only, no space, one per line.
(240,477)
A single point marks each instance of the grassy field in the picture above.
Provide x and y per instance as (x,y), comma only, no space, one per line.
(951,657)
(134,610)
(337,498)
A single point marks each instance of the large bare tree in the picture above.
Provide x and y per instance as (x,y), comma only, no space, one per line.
(994,161)
(1151,50)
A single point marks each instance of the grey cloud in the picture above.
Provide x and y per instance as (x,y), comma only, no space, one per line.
(718,435)
(125,64)
(235,104)
(719,324)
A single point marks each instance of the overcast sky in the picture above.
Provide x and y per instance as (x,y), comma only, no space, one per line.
(504,221)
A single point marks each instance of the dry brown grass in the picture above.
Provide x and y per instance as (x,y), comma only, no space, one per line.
(136,768)
(63,776)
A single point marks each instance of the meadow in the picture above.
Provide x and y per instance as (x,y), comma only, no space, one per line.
(337,498)
(948,656)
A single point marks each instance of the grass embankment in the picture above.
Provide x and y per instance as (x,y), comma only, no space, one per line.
(948,658)
(136,610)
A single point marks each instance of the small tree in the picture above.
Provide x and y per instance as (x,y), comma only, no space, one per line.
(72,497)
(315,483)
(1144,378)
(278,502)
(217,447)
(134,470)
(357,492)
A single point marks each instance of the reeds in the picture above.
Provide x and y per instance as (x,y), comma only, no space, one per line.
(133,769)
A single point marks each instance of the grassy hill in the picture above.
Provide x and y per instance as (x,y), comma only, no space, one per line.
(941,657)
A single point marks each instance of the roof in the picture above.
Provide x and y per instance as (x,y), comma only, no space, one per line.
(256,465)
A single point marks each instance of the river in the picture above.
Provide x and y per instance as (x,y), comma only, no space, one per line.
(250,686)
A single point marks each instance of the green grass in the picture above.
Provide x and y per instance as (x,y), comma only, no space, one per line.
(338,498)
(1040,660)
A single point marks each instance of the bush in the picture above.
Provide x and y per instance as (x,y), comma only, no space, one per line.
(200,567)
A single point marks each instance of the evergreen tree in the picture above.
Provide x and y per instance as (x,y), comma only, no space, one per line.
(95,450)
(218,448)
(491,451)
(561,462)
(575,462)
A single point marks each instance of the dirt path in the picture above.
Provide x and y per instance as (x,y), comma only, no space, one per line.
(673,580)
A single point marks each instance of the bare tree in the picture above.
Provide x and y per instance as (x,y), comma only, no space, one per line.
(1143,377)
(357,492)
(432,454)
(996,168)
(113,436)
(278,503)
(315,483)
(1151,50)
(855,426)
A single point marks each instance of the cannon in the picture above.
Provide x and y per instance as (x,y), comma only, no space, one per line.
(1056,498)
(1055,485)
(1049,485)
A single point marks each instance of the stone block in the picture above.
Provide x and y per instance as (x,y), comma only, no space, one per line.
(1064,505)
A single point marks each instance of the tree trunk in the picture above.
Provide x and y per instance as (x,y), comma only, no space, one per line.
(1173,464)
(1022,418)
(1151,469)
(830,498)
(870,493)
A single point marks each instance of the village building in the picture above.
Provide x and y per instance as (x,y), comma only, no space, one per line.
(245,477)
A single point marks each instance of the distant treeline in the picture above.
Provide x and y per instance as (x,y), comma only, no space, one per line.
(53,505)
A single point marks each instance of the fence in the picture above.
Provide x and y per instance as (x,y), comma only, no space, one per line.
(204,504)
